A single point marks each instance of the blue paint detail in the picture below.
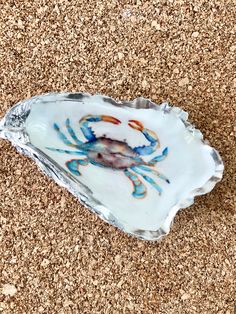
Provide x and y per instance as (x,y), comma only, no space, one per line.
(153,183)
(87,131)
(140,191)
(139,187)
(150,138)
(154,172)
(148,179)
(73,165)
(144,150)
(147,149)
(72,133)
(159,157)
(165,151)
(65,151)
(56,127)
(63,137)
(94,119)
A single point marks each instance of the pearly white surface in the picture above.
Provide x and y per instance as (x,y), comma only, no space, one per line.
(188,165)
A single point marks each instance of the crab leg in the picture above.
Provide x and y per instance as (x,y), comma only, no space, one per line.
(155,172)
(65,151)
(158,158)
(148,179)
(87,130)
(149,135)
(63,137)
(139,188)
(73,165)
(72,133)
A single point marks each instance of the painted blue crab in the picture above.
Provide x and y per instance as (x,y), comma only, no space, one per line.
(114,154)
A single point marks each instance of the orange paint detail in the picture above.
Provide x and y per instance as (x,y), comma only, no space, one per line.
(110,119)
(135,124)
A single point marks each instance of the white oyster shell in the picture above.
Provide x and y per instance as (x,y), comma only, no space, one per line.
(144,208)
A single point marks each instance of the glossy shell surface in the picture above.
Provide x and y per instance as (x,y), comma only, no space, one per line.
(133,163)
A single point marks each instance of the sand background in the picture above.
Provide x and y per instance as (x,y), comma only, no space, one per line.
(56,256)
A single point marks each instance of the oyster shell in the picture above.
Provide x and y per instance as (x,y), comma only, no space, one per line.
(133,163)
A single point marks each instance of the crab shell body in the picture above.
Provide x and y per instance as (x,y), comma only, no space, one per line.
(114,154)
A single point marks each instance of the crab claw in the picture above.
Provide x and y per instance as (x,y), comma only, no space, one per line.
(110,119)
(136,125)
